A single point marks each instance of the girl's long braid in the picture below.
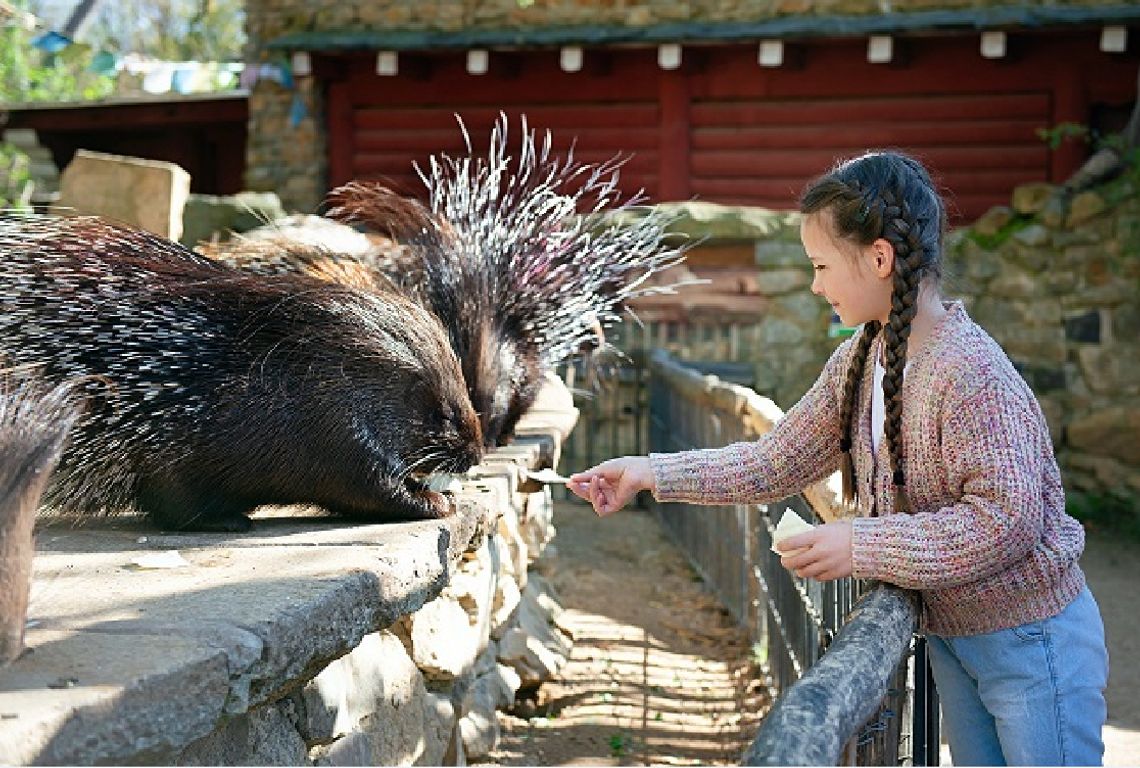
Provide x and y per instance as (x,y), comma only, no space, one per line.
(847,408)
(901,232)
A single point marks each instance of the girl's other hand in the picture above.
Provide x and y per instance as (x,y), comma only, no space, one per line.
(823,553)
(610,485)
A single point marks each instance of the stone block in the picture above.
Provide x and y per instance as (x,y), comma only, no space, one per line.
(382,711)
(350,749)
(439,730)
(1125,322)
(1110,371)
(475,584)
(777,253)
(1112,432)
(1085,206)
(209,216)
(442,641)
(264,736)
(775,331)
(149,194)
(506,603)
(512,548)
(537,523)
(1035,235)
(1054,213)
(1030,199)
(109,697)
(1084,328)
(775,282)
(533,661)
(1014,283)
(726,222)
(538,645)
(480,733)
(992,221)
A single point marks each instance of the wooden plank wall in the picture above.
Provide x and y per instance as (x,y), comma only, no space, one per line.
(723,129)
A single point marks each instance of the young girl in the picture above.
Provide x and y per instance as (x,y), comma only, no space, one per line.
(947,460)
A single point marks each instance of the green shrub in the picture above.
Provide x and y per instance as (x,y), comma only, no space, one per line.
(1116,512)
(15,178)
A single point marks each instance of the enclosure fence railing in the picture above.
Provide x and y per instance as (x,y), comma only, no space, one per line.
(879,691)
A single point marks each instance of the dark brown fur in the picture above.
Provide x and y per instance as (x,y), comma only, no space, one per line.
(225,390)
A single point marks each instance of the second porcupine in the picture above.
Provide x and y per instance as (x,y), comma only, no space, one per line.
(500,363)
(521,279)
(212,391)
(34,422)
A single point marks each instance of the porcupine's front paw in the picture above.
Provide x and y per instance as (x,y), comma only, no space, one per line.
(407,503)
(434,505)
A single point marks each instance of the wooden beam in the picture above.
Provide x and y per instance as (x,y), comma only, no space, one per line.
(813,719)
(1070,105)
(673,158)
(340,134)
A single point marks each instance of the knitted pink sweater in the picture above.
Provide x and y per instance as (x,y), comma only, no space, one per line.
(988,544)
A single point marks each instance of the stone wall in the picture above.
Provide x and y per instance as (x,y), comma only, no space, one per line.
(1057,282)
(286,151)
(300,643)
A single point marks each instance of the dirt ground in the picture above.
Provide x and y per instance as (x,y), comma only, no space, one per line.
(1112,566)
(660,674)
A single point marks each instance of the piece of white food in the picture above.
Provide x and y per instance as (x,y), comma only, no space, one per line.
(547,475)
(790,524)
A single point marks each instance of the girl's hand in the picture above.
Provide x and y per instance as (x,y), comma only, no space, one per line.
(610,485)
(823,553)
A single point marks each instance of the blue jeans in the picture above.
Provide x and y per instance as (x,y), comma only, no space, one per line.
(1030,695)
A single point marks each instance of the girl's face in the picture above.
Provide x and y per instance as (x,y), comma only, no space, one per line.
(855,280)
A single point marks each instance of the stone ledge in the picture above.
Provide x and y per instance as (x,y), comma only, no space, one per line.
(133,665)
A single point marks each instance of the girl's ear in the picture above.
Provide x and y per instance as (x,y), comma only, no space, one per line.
(882,257)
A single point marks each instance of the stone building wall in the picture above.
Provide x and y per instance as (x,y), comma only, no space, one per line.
(286,148)
(1057,282)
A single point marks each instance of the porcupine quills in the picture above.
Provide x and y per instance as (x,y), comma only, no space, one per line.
(509,254)
(34,423)
(211,391)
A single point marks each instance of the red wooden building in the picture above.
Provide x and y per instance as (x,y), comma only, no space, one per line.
(702,117)
(204,134)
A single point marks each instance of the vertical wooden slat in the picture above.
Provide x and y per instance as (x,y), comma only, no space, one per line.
(1070,105)
(341,144)
(673,157)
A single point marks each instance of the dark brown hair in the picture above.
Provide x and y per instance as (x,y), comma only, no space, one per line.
(883,195)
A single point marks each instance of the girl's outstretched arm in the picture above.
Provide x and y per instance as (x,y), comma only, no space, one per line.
(610,485)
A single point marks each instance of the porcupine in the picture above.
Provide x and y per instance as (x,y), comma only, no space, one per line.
(34,422)
(497,364)
(212,391)
(514,262)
